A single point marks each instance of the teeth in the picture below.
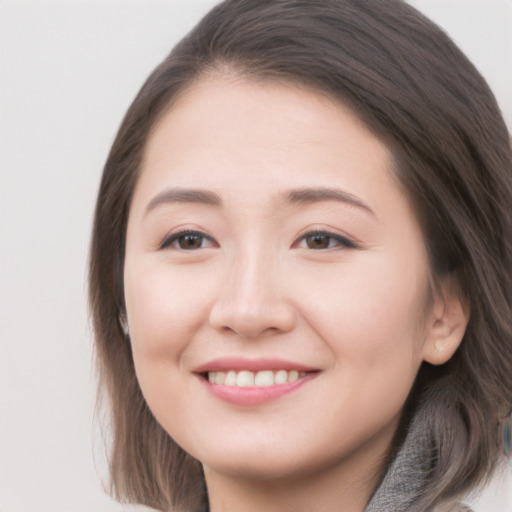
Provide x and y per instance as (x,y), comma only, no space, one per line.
(263,379)
(247,379)
(281,377)
(220,378)
(293,376)
(230,378)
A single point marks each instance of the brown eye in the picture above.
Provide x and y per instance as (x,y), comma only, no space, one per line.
(318,241)
(188,241)
(321,240)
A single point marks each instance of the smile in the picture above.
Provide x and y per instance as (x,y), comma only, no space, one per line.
(248,379)
(244,387)
(249,382)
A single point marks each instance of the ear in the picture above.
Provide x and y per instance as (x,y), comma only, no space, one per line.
(123,322)
(447,322)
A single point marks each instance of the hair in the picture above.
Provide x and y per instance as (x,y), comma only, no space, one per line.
(416,91)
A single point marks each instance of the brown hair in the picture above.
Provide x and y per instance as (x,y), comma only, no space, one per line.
(416,91)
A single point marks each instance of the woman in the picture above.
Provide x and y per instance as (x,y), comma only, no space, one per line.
(300,267)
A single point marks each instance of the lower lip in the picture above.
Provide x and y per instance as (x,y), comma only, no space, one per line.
(256,395)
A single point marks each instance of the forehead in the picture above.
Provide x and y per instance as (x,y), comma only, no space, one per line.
(246,105)
(268,133)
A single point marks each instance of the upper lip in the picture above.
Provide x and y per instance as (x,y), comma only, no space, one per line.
(255,365)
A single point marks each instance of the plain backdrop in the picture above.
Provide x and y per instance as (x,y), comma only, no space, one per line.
(68,71)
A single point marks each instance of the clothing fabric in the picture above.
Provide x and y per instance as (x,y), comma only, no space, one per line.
(406,474)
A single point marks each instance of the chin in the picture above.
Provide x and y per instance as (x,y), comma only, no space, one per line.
(257,464)
(271,463)
(260,471)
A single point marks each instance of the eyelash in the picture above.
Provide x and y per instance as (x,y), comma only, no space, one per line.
(339,240)
(175,238)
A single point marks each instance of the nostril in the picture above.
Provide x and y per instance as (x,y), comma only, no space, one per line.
(251,321)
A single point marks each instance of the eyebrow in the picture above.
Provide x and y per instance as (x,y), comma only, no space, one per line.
(184,195)
(297,196)
(316,195)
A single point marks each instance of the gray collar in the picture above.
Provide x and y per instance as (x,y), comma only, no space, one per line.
(408,471)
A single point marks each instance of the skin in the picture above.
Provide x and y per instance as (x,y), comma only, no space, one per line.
(352,303)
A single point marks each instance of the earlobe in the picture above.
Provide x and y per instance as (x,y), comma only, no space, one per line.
(448,320)
(123,322)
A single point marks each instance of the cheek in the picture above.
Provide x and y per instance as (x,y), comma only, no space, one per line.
(164,306)
(164,311)
(374,335)
(371,310)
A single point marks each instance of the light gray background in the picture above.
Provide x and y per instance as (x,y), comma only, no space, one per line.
(68,71)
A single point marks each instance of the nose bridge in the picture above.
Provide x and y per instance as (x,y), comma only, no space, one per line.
(250,299)
(251,276)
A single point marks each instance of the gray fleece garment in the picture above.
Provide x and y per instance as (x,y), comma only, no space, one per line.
(406,474)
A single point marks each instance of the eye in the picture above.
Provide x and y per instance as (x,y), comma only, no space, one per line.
(321,240)
(188,241)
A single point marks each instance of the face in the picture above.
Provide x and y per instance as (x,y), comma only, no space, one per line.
(276,282)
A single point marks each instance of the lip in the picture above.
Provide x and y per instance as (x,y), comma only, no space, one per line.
(253,365)
(247,396)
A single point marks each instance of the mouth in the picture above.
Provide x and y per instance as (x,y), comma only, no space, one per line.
(246,382)
(252,379)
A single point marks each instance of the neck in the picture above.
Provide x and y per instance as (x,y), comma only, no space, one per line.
(346,488)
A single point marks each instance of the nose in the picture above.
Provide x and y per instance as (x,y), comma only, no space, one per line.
(251,301)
